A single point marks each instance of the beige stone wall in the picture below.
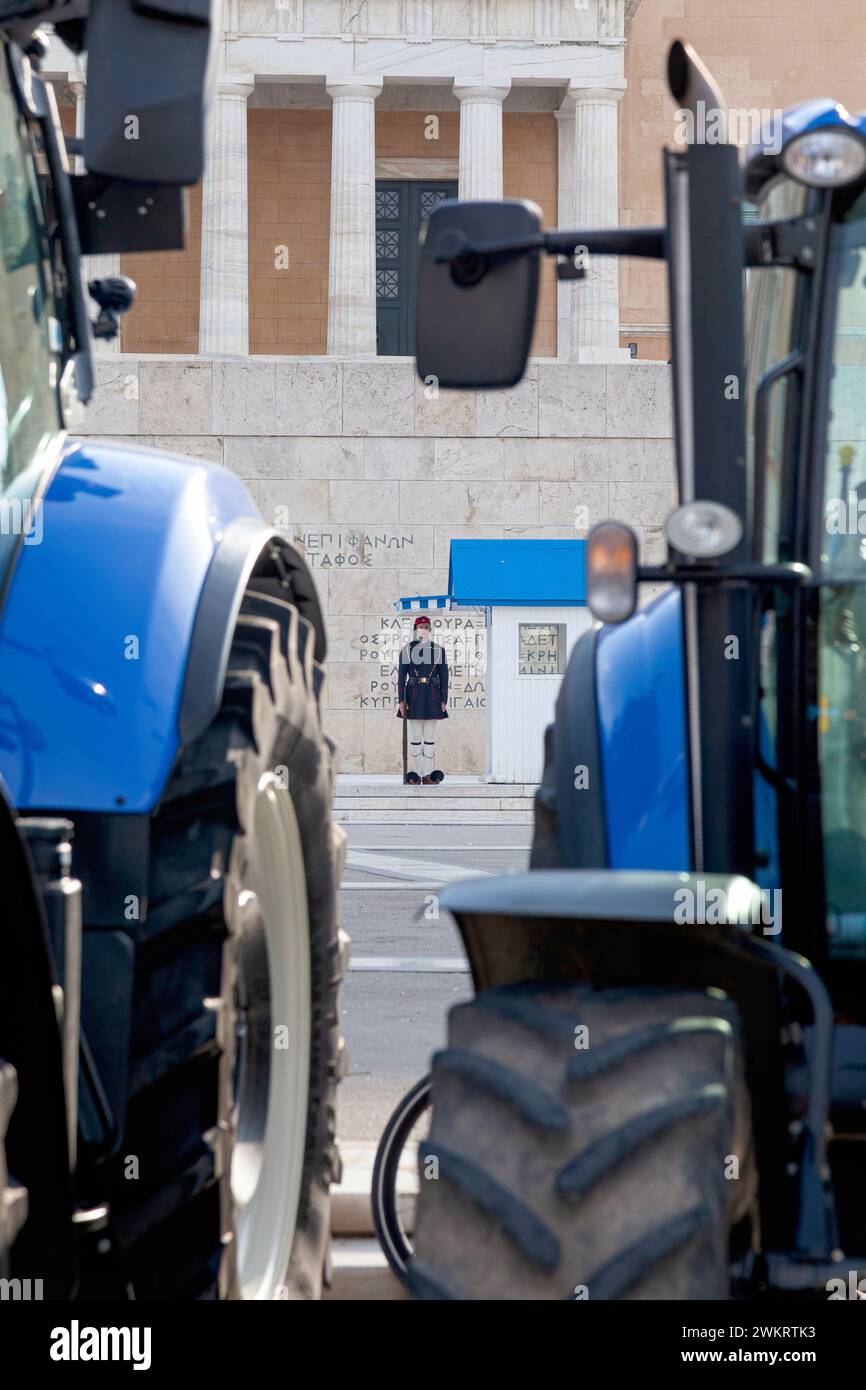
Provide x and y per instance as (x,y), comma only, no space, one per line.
(164,317)
(289,206)
(529,167)
(764,53)
(373,480)
(401,135)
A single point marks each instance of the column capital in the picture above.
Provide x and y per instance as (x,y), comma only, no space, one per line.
(353,88)
(77,84)
(234,87)
(581,93)
(479,90)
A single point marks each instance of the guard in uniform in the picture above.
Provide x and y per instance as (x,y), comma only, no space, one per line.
(422,693)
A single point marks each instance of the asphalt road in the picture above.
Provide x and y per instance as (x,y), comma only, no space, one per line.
(407,966)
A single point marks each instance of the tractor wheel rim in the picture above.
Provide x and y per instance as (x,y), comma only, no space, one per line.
(274,1026)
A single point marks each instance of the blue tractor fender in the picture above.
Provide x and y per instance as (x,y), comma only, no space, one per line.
(115,638)
(619,778)
(116,626)
(641,697)
(643,747)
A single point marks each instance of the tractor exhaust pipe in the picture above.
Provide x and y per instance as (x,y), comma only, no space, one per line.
(690,82)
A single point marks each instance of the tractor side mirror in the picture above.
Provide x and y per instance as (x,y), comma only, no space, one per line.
(150,63)
(477,293)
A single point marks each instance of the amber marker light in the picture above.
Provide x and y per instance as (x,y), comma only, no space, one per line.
(611,572)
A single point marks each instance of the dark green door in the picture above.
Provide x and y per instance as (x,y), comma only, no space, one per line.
(401,206)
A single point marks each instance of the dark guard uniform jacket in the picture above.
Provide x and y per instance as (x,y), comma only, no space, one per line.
(422,680)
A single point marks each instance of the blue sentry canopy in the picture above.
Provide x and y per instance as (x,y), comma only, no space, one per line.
(518,572)
(421,601)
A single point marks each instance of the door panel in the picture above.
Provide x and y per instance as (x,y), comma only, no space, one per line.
(519,707)
(401,207)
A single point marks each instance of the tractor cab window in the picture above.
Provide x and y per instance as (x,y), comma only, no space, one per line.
(773,309)
(842,549)
(29,414)
(841,557)
(775,314)
(29,406)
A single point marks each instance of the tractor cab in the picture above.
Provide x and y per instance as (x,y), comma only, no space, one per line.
(766,256)
(722,728)
(806,440)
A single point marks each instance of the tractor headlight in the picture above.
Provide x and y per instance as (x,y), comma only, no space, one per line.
(611,572)
(825,158)
(704,529)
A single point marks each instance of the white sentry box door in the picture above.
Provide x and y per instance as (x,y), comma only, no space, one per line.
(519,708)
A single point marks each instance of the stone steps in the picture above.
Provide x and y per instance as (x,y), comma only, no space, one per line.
(360,1273)
(430,816)
(440,803)
(359,1269)
(467,801)
(470,788)
(351,1212)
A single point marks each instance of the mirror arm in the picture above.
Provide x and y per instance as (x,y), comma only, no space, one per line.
(790,242)
(617,241)
(794,575)
(645,242)
(455,246)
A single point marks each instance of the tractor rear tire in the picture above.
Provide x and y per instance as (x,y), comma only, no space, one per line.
(606,1164)
(221,1186)
(13,1197)
(36,1193)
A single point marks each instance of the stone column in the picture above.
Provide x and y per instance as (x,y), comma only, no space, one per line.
(595,299)
(481,139)
(564,219)
(224,322)
(352,256)
(92,267)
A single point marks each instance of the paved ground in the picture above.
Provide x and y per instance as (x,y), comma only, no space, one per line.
(407,968)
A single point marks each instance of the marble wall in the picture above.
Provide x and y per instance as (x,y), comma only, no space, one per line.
(353,462)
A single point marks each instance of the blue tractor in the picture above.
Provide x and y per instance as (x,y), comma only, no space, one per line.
(170,954)
(659,1089)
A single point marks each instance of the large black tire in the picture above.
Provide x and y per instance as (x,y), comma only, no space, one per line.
(570,1172)
(13,1197)
(395,1243)
(36,1233)
(204,977)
